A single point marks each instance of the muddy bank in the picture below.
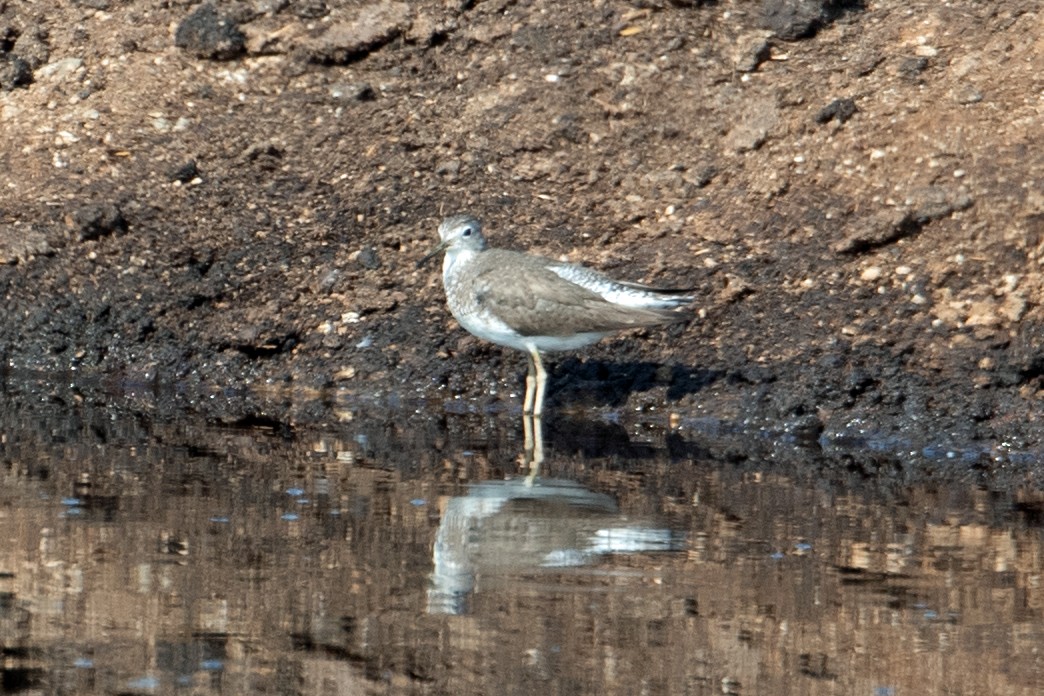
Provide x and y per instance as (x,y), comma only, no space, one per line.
(232,201)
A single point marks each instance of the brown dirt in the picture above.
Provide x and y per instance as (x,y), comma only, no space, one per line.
(245,208)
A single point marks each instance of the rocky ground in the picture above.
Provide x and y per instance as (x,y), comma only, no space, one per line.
(236,195)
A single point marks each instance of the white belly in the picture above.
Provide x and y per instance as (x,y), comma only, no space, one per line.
(489,328)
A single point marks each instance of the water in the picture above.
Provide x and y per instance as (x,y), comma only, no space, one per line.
(405,553)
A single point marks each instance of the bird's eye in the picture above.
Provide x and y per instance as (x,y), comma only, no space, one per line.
(466,232)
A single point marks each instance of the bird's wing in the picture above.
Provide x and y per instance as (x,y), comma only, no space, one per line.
(522,292)
(623,292)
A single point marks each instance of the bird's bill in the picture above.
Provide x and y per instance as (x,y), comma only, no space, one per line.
(434,252)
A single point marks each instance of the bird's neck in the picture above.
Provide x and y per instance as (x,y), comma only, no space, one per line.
(455,259)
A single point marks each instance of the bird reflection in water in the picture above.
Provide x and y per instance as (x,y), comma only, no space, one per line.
(507,528)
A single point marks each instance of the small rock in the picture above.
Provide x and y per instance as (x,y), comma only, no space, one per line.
(60,70)
(184,172)
(911,68)
(368,259)
(982,313)
(95,220)
(267,153)
(345,373)
(449,168)
(858,381)
(353,91)
(333,342)
(935,202)
(807,427)
(736,289)
(425,30)
(754,126)
(791,20)
(272,7)
(840,109)
(885,227)
(966,94)
(968,63)
(1013,307)
(863,62)
(14,72)
(32,47)
(871,274)
(21,246)
(327,282)
(310,9)
(207,34)
(374,26)
(702,174)
(262,39)
(751,50)
(877,230)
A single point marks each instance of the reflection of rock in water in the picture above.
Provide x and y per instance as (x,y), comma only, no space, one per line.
(503,527)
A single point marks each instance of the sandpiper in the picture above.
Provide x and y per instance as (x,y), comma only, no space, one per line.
(537,304)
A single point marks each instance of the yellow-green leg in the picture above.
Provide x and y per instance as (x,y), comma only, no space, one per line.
(541,382)
(527,404)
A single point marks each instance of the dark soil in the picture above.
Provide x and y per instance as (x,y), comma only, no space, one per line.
(236,197)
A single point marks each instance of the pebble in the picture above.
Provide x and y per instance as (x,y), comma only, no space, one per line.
(353,91)
(95,220)
(982,313)
(60,69)
(32,46)
(791,20)
(840,109)
(207,34)
(910,68)
(966,94)
(750,133)
(184,173)
(1013,307)
(14,72)
(934,202)
(368,258)
(751,50)
(448,168)
(373,26)
(21,245)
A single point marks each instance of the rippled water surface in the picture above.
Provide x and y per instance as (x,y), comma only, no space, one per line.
(402,552)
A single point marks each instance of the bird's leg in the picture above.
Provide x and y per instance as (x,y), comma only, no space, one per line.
(527,439)
(527,405)
(541,383)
